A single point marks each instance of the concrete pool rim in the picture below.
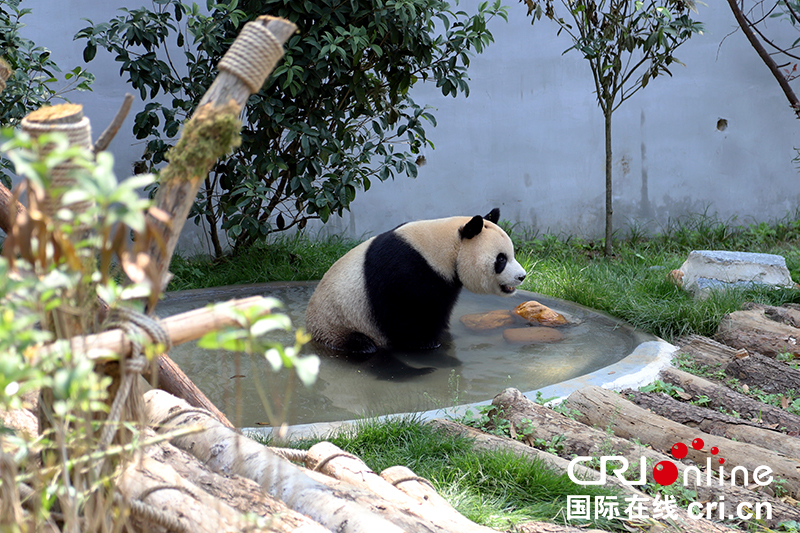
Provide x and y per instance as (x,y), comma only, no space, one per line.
(638,368)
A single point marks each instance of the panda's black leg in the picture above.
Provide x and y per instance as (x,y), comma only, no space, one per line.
(358,343)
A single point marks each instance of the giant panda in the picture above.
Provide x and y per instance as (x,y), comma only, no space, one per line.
(398,289)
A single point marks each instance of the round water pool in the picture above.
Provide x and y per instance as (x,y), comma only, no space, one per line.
(470,367)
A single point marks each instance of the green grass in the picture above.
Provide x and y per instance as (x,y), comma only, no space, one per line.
(489,488)
(295,258)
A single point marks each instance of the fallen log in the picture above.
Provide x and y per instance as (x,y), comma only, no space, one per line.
(582,440)
(157,496)
(485,441)
(334,504)
(330,460)
(181,328)
(605,408)
(722,397)
(755,332)
(715,423)
(787,315)
(750,368)
(240,493)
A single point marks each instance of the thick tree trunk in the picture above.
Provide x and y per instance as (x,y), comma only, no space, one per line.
(608,409)
(719,396)
(715,423)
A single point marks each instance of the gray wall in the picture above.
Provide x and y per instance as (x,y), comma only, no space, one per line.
(529,138)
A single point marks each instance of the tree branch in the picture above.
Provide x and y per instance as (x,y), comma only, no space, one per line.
(765,57)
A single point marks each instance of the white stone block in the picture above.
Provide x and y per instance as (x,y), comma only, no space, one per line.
(704,270)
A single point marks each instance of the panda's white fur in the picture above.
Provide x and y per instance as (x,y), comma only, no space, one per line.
(398,289)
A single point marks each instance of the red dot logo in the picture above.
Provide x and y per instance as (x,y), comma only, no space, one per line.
(665,472)
(698,444)
(721,461)
(679,450)
(714,450)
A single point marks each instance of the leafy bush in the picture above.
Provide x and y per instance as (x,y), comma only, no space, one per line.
(335,114)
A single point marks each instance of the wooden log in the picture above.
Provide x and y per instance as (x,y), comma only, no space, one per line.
(715,423)
(331,460)
(240,493)
(750,368)
(754,332)
(580,439)
(22,421)
(420,489)
(180,328)
(787,314)
(334,504)
(719,396)
(604,408)
(184,327)
(161,489)
(547,527)
(485,441)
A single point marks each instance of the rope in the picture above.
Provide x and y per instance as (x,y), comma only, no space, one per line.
(134,324)
(290,454)
(252,56)
(150,490)
(147,512)
(413,478)
(333,456)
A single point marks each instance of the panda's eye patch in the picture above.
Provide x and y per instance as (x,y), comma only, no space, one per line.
(500,263)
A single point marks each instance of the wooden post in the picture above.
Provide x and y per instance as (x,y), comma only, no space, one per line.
(210,133)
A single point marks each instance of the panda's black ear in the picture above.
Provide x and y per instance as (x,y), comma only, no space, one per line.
(472,228)
(494,215)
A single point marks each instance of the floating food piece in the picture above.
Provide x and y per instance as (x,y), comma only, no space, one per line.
(533,311)
(532,335)
(490,320)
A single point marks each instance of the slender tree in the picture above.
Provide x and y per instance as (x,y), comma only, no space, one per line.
(627,44)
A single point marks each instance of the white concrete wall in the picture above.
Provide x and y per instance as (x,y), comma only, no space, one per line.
(529,138)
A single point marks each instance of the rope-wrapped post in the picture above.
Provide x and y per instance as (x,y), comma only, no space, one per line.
(67,119)
(212,132)
(77,317)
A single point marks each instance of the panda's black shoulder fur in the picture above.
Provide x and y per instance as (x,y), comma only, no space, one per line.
(410,302)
